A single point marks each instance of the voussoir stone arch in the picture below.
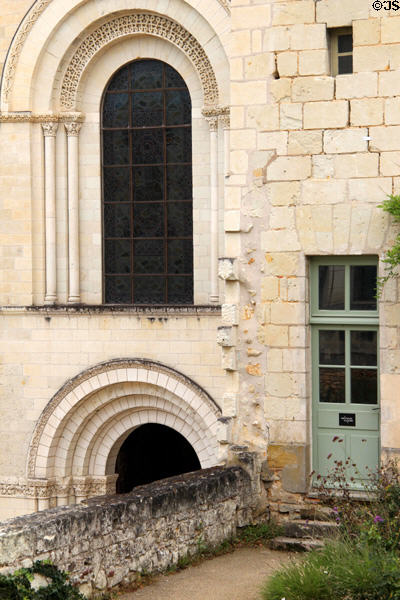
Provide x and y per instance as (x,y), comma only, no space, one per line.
(137,24)
(91,414)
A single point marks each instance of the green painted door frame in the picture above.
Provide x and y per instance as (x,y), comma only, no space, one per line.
(345,405)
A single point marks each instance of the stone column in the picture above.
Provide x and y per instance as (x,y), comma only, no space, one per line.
(50,132)
(213,123)
(225,122)
(73,129)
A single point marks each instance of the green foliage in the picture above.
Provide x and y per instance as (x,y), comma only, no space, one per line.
(253,534)
(17,586)
(392,259)
(364,563)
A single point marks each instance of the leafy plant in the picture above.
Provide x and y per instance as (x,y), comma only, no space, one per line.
(392,259)
(17,586)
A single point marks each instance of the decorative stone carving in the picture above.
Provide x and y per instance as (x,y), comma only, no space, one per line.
(138,23)
(28,117)
(230,314)
(103,368)
(73,128)
(19,41)
(50,129)
(226,337)
(228,269)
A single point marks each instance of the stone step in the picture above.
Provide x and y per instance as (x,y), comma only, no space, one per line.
(310,529)
(316,513)
(293,544)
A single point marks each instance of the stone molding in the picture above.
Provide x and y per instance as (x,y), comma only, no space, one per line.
(74,486)
(26,117)
(127,25)
(19,41)
(103,375)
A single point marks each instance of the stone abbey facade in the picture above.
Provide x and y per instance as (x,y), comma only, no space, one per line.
(190,237)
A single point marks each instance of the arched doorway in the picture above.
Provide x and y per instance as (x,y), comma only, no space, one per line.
(151,452)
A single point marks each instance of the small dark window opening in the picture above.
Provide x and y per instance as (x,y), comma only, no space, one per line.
(341,45)
(147,186)
(152,452)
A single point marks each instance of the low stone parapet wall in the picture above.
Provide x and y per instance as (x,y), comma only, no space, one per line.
(109,540)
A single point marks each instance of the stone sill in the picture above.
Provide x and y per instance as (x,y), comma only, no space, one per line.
(111,309)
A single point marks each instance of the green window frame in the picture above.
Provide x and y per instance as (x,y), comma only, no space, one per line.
(340,319)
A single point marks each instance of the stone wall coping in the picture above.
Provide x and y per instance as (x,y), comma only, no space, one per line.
(143,310)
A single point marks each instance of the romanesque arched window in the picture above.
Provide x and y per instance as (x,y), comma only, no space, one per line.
(147,186)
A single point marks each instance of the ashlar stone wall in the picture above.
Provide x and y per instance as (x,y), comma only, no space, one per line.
(312,155)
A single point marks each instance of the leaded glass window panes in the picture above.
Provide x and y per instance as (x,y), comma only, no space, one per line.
(147,186)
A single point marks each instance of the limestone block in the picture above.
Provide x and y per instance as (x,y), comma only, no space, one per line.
(385,138)
(258,66)
(256,41)
(390,30)
(284,240)
(325,191)
(322,166)
(232,220)
(229,404)
(305,89)
(283,193)
(314,62)
(229,314)
(341,227)
(277,38)
(239,161)
(233,197)
(389,84)
(228,269)
(367,32)
(282,217)
(291,115)
(287,64)
(280,384)
(390,164)
(296,11)
(339,141)
(377,229)
(366,112)
(273,140)
(369,190)
(392,111)
(274,335)
(360,217)
(288,168)
(236,68)
(254,92)
(226,336)
(269,288)
(325,115)
(340,13)
(250,17)
(228,359)
(370,58)
(290,313)
(305,142)
(308,37)
(356,85)
(263,117)
(280,89)
(242,139)
(394,57)
(240,43)
(282,263)
(356,165)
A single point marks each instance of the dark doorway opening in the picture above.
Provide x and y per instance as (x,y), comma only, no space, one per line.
(153,452)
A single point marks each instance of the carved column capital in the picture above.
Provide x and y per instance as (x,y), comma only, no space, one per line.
(225,120)
(73,128)
(50,129)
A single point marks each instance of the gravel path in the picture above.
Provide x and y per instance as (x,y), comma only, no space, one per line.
(235,576)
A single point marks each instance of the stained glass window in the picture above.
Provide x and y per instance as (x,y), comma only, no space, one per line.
(147,186)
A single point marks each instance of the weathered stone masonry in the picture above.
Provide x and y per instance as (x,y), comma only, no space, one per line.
(114,538)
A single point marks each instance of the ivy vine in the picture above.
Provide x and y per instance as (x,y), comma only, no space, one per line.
(17,585)
(392,258)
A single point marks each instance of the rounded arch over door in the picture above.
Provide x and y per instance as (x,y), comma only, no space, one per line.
(83,426)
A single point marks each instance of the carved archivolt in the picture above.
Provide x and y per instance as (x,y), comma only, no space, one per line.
(138,23)
(19,41)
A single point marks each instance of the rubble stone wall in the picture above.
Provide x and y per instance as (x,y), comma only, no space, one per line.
(112,539)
